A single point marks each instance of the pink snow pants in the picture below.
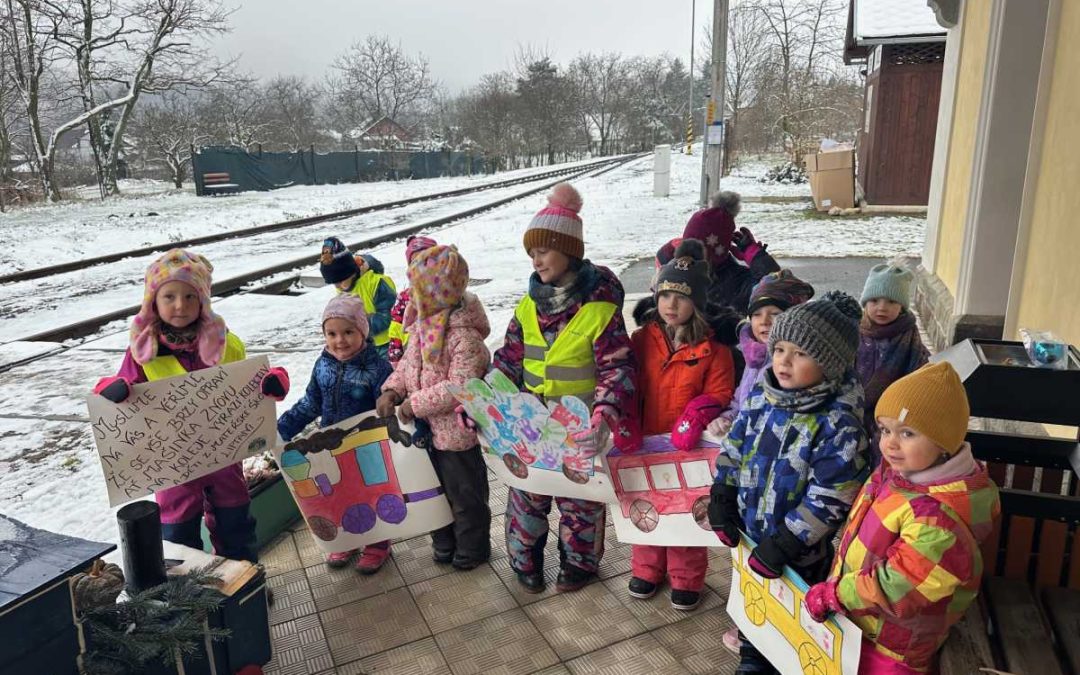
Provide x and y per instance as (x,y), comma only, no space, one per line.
(685,565)
(873,662)
(224,488)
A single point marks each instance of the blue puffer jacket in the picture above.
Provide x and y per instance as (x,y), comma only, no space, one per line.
(337,391)
(798,459)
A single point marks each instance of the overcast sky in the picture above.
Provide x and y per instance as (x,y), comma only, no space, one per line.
(462,39)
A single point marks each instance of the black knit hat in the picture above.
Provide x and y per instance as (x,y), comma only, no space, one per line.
(336,263)
(827,329)
(686,273)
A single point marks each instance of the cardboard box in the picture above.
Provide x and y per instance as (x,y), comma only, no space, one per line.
(832,178)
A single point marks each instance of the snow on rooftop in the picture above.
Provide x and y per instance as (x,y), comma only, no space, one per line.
(878,20)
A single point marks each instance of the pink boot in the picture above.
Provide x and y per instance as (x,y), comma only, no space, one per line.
(731,641)
(373,557)
(340,559)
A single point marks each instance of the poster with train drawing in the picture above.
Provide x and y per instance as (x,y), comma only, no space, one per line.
(359,481)
(528,444)
(663,493)
(771,614)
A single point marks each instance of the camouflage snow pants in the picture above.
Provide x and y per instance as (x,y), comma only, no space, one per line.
(581,531)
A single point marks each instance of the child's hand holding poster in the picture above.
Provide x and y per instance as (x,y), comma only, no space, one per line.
(360,481)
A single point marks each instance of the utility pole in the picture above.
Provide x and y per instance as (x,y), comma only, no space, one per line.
(690,105)
(713,160)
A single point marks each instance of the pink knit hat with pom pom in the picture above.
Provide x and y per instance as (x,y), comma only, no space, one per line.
(557,226)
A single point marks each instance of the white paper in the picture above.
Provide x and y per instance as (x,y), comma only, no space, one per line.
(171,431)
(529,445)
(360,481)
(663,494)
(771,614)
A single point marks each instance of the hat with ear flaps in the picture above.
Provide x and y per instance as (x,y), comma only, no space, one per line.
(195,271)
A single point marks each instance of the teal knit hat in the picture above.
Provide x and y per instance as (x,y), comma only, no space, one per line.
(888,281)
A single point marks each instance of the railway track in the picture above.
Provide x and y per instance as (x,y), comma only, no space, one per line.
(244,283)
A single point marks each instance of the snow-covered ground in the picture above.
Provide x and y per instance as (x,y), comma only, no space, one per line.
(49,472)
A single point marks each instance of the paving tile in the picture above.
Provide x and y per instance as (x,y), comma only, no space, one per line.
(416,658)
(505,644)
(335,587)
(280,555)
(657,611)
(509,579)
(583,621)
(498,536)
(696,642)
(413,559)
(642,655)
(554,670)
(370,626)
(299,648)
(719,576)
(460,598)
(616,558)
(292,597)
(310,553)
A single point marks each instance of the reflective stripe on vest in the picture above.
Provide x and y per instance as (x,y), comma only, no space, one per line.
(365,288)
(161,367)
(566,366)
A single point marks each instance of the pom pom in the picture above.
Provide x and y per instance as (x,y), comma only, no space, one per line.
(691,248)
(847,305)
(727,200)
(564,195)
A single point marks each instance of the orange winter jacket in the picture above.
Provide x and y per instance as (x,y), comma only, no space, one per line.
(669,380)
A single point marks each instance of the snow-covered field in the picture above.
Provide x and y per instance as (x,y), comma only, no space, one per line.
(49,473)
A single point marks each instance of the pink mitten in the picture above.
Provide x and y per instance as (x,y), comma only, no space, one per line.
(744,246)
(275,384)
(463,420)
(590,441)
(694,420)
(822,600)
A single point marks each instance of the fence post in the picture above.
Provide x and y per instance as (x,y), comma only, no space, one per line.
(196,175)
(260,150)
(356,160)
(314,174)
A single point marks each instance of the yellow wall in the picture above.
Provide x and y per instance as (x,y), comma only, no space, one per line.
(1050,288)
(969,83)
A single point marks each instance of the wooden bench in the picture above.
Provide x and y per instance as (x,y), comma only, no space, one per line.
(219,183)
(1027,619)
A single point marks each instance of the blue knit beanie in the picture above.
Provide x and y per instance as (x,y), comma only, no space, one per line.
(888,281)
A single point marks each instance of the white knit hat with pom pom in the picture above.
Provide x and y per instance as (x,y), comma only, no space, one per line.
(557,226)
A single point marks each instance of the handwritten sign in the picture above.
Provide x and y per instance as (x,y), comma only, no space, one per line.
(174,430)
(771,614)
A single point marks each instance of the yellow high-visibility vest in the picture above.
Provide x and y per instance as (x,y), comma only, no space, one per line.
(398,332)
(365,288)
(161,367)
(566,366)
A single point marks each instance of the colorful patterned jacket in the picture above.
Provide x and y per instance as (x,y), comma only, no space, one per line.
(797,458)
(909,563)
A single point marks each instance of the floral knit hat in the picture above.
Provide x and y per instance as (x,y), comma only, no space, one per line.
(438,277)
(193,270)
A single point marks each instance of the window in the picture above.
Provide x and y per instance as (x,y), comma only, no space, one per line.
(697,473)
(633,479)
(372,464)
(665,476)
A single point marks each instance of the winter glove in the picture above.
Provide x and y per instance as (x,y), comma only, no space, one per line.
(590,441)
(719,426)
(384,406)
(693,422)
(275,384)
(463,420)
(724,516)
(822,601)
(744,246)
(405,412)
(625,434)
(116,389)
(773,553)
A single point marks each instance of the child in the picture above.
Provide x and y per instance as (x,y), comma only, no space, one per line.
(363,277)
(795,456)
(776,292)
(909,563)
(448,347)
(685,379)
(344,382)
(176,332)
(567,337)
(400,315)
(889,343)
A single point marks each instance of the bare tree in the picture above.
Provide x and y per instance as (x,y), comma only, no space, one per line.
(291,105)
(601,83)
(545,103)
(165,129)
(236,114)
(747,45)
(382,79)
(488,115)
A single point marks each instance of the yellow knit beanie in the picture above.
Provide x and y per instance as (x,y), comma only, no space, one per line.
(932,401)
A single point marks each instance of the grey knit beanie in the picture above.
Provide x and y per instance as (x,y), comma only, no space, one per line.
(827,329)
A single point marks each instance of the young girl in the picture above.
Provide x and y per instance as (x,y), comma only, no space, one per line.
(909,563)
(567,337)
(795,456)
(686,379)
(362,276)
(176,332)
(776,292)
(447,347)
(344,382)
(889,345)
(401,317)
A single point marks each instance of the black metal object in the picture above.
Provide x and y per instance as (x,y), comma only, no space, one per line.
(140,543)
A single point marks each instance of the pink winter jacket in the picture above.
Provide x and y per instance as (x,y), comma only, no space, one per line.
(467,357)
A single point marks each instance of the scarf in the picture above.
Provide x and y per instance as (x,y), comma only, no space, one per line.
(178,339)
(754,353)
(903,351)
(551,299)
(798,400)
(437,278)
